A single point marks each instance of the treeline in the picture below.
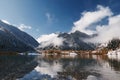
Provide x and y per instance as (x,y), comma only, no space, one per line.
(114,44)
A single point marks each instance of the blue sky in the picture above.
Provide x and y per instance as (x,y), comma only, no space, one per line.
(48,16)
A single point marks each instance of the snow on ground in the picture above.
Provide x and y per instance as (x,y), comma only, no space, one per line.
(114,54)
(29,54)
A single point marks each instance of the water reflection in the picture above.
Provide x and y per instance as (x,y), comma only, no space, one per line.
(14,66)
(84,67)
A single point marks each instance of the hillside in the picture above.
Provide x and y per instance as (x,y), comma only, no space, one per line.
(13,39)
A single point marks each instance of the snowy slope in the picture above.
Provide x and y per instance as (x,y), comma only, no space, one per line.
(13,39)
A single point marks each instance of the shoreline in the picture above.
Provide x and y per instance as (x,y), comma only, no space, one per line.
(78,52)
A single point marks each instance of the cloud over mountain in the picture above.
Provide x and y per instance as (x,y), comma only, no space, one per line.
(50,39)
(89,18)
(109,31)
(105,32)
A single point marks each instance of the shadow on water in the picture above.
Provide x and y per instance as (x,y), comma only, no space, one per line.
(15,66)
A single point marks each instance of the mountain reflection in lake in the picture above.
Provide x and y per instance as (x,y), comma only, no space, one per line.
(75,68)
(15,66)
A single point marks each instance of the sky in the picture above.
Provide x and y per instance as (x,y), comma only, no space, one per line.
(39,17)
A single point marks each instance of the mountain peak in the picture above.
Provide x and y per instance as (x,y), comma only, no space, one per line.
(70,41)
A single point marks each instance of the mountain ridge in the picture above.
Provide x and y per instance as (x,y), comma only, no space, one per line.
(13,39)
(72,41)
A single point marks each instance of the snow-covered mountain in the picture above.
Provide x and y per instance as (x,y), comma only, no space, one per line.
(13,39)
(70,41)
(75,41)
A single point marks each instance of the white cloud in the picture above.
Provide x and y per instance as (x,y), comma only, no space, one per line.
(108,32)
(105,32)
(37,30)
(46,40)
(23,27)
(5,21)
(49,17)
(89,18)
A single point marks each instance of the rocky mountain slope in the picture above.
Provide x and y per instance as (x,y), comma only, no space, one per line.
(72,41)
(13,39)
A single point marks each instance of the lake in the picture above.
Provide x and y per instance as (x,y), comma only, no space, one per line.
(67,67)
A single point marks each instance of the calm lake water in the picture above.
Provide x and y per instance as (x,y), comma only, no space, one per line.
(15,66)
(67,67)
(64,67)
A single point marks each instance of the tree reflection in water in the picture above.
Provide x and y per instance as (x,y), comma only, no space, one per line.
(84,67)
